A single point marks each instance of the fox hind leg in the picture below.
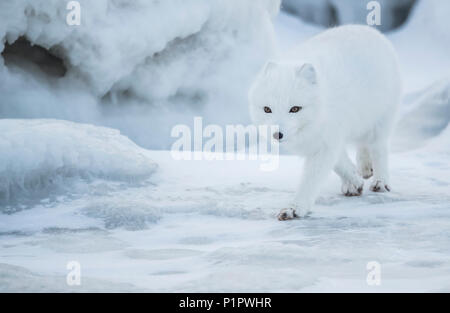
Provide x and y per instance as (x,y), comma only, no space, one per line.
(352,183)
(380,158)
(364,162)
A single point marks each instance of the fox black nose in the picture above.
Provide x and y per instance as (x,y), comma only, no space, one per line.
(278,136)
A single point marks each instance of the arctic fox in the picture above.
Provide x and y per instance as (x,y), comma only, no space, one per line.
(341,87)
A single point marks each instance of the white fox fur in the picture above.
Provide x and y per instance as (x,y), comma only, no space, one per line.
(347,85)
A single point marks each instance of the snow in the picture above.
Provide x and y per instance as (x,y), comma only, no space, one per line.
(392,13)
(423,45)
(37,155)
(102,41)
(425,117)
(202,230)
(170,61)
(210,225)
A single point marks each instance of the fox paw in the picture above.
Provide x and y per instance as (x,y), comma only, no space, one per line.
(351,190)
(380,186)
(287,214)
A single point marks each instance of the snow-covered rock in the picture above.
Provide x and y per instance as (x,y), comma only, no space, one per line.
(163,45)
(40,154)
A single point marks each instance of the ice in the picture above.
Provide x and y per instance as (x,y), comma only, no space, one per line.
(19,279)
(136,66)
(38,155)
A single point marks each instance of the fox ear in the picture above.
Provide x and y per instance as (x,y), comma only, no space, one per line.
(307,72)
(269,67)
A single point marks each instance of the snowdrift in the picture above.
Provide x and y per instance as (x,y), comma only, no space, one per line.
(425,118)
(153,48)
(430,18)
(37,155)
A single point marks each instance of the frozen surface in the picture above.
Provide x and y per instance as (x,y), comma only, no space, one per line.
(39,157)
(210,226)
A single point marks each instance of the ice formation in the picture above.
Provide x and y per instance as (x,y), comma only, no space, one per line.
(40,154)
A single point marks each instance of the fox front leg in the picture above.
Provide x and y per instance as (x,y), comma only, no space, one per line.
(315,171)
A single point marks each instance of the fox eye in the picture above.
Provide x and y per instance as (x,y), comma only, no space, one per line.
(267,110)
(295,109)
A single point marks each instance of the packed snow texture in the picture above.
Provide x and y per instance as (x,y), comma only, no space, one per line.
(38,156)
(424,118)
(148,62)
(339,12)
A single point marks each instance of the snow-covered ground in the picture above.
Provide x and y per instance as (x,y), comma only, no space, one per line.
(211,226)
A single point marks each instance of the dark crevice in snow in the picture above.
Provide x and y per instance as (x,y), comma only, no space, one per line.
(331,13)
(325,15)
(428,118)
(333,17)
(401,14)
(15,197)
(22,53)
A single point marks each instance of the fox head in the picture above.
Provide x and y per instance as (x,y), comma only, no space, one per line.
(286,95)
